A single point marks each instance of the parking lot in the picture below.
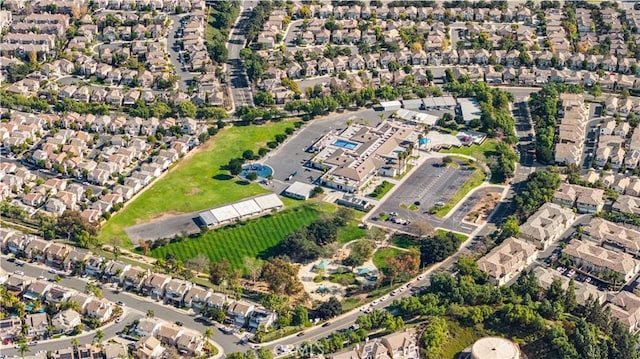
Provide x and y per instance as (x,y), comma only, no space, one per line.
(430,184)
(167,227)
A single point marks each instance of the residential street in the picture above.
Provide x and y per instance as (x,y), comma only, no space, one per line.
(241,92)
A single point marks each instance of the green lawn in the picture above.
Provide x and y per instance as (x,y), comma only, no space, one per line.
(472,182)
(480,152)
(351,232)
(404,241)
(381,190)
(199,182)
(254,238)
(380,256)
(460,236)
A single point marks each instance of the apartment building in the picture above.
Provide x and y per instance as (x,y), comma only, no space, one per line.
(507,260)
(613,236)
(584,199)
(596,259)
(547,225)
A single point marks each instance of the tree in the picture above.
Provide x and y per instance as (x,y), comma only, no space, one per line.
(253,267)
(281,277)
(150,313)
(420,228)
(197,263)
(23,348)
(234,166)
(252,176)
(570,301)
(438,247)
(219,271)
(329,309)
(595,90)
(510,228)
(76,228)
(300,316)
(98,337)
(264,98)
(316,191)
(434,337)
(361,251)
(187,109)
(207,334)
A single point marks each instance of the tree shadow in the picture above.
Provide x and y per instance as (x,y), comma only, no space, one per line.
(242,182)
(222,177)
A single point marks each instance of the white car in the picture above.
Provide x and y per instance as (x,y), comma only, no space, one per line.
(41,277)
(19,272)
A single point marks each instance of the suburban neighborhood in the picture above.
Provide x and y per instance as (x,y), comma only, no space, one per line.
(319,179)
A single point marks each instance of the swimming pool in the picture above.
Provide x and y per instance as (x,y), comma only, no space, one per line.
(345,144)
(263,171)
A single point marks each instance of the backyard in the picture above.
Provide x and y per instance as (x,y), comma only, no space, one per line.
(198,182)
(255,238)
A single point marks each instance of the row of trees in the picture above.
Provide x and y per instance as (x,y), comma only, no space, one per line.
(539,189)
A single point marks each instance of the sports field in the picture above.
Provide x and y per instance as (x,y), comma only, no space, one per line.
(254,238)
(199,181)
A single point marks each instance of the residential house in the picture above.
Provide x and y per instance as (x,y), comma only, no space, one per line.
(190,343)
(58,294)
(216,300)
(149,348)
(17,284)
(37,325)
(238,312)
(10,329)
(148,326)
(401,345)
(507,260)
(94,266)
(133,278)
(169,333)
(66,321)
(75,260)
(56,253)
(114,270)
(261,317)
(36,249)
(100,309)
(613,236)
(175,290)
(586,200)
(154,285)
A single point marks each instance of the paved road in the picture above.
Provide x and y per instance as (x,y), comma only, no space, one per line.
(136,304)
(241,93)
(185,77)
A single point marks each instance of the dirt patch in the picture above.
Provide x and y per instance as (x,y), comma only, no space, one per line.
(159,217)
(479,213)
(194,191)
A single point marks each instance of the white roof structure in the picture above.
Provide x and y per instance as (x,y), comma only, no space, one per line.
(225,213)
(494,348)
(247,208)
(390,104)
(439,102)
(208,218)
(300,189)
(470,109)
(418,117)
(269,201)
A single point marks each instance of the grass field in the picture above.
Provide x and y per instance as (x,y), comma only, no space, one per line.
(254,238)
(380,256)
(472,182)
(198,182)
(480,152)
(381,190)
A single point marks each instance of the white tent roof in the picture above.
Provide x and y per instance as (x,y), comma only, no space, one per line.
(269,201)
(225,213)
(208,218)
(247,208)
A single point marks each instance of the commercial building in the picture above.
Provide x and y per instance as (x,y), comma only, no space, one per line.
(244,209)
(299,190)
(351,157)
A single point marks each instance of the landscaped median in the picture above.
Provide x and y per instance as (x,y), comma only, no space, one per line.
(198,182)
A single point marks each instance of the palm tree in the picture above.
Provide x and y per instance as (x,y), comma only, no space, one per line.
(99,336)
(23,348)
(75,342)
(207,334)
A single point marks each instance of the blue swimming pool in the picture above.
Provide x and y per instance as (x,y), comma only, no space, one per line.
(345,144)
(263,171)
